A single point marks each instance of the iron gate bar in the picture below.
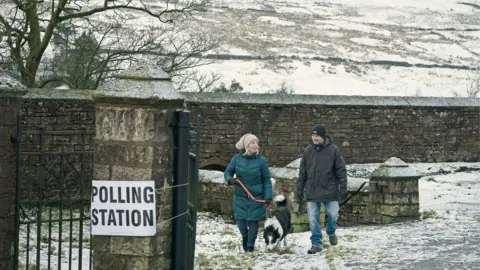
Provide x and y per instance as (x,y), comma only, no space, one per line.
(180,194)
(39,206)
(49,235)
(82,186)
(60,223)
(18,142)
(193,194)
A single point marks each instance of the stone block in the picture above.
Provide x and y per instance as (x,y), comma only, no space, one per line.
(300,223)
(101,243)
(101,172)
(389,219)
(134,155)
(124,123)
(414,198)
(390,198)
(107,261)
(410,186)
(138,246)
(131,173)
(163,244)
(399,210)
(395,187)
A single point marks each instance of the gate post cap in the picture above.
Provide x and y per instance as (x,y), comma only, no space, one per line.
(395,168)
(143,81)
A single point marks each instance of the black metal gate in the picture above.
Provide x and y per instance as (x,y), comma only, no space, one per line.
(52,207)
(185,196)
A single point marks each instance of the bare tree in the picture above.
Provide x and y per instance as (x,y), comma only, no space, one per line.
(198,81)
(472,87)
(106,43)
(283,90)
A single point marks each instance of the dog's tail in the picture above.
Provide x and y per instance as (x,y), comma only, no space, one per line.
(280,201)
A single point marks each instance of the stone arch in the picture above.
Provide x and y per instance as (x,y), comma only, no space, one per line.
(214,163)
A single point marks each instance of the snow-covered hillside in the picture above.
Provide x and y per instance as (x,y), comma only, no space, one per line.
(341,47)
(428,32)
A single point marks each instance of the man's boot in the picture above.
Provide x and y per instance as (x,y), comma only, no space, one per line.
(314,249)
(333,240)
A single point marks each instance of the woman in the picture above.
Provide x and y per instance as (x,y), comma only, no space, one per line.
(251,168)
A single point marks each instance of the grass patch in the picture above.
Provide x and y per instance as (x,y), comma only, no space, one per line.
(337,252)
(349,237)
(227,231)
(202,261)
(228,262)
(281,251)
(429,214)
(381,256)
(231,244)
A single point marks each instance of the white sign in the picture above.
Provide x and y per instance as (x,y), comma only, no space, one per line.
(123,208)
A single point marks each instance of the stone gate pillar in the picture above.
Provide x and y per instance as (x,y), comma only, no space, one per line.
(10,106)
(394,195)
(134,142)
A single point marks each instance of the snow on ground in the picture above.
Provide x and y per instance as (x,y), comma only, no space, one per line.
(70,235)
(447,237)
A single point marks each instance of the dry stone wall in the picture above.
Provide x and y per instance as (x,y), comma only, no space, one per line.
(367,129)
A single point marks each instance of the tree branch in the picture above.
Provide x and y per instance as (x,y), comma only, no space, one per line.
(192,6)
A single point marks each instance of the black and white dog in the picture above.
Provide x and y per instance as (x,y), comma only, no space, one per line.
(279,225)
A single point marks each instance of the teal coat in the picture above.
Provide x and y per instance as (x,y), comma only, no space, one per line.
(254,173)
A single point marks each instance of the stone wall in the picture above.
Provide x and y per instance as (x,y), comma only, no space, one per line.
(216,198)
(367,129)
(66,110)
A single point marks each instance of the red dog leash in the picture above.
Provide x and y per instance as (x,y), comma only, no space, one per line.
(269,206)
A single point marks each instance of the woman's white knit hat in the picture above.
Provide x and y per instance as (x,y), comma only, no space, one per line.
(245,141)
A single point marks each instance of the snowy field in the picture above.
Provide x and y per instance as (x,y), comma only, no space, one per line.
(447,236)
(418,48)
(430,32)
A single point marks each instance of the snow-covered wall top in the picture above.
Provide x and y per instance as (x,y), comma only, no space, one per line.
(330,100)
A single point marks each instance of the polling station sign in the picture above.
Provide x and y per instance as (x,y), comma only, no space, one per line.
(123,208)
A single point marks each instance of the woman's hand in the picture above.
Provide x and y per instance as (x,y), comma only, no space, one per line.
(233,181)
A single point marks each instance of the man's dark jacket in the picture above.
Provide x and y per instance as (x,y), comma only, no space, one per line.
(323,176)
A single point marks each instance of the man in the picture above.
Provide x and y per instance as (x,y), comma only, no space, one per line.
(322,179)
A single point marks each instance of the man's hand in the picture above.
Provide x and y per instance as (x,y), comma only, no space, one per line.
(300,207)
(343,195)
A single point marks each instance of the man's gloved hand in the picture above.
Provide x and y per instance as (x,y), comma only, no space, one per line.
(300,207)
(343,195)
